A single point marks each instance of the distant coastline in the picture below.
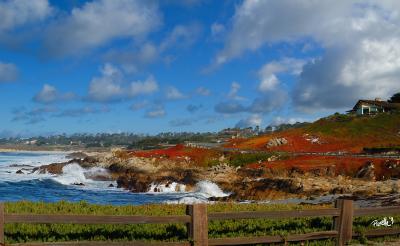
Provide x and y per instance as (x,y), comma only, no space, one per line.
(48,148)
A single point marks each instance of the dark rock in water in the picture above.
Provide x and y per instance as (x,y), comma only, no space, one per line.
(367,171)
(79,184)
(111,185)
(19,172)
(77,155)
(100,177)
(55,168)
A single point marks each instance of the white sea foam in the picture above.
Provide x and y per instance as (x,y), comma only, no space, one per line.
(210,189)
(10,163)
(74,174)
(164,188)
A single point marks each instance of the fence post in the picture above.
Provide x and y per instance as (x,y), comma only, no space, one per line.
(344,223)
(2,224)
(198,228)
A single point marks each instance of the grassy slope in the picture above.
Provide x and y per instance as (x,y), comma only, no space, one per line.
(337,133)
(168,232)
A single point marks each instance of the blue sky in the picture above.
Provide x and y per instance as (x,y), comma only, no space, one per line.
(154,66)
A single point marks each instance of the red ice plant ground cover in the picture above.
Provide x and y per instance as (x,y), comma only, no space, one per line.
(342,165)
(196,155)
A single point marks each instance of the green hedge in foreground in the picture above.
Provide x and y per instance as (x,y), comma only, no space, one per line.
(19,233)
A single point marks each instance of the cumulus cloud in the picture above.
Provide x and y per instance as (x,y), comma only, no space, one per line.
(49,94)
(33,116)
(233,93)
(268,74)
(8,72)
(252,120)
(276,121)
(156,112)
(133,59)
(263,104)
(145,87)
(140,55)
(181,36)
(360,58)
(173,93)
(20,12)
(96,23)
(112,86)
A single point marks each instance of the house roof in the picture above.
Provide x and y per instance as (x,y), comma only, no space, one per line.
(383,104)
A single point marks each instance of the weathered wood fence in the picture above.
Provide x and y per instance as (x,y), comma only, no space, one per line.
(197,219)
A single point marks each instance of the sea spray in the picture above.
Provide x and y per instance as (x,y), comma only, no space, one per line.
(71,174)
(167,188)
(74,174)
(210,189)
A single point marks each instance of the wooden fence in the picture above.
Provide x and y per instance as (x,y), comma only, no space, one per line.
(197,219)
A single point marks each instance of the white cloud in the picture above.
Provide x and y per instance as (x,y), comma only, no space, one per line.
(253,120)
(50,94)
(16,13)
(233,93)
(108,86)
(136,57)
(156,112)
(148,86)
(280,120)
(173,93)
(269,21)
(96,23)
(8,72)
(360,41)
(112,86)
(269,72)
(367,70)
(181,35)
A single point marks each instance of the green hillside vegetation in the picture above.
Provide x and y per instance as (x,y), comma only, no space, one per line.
(385,125)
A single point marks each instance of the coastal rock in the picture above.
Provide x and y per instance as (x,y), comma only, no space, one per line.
(367,171)
(77,155)
(19,172)
(276,142)
(55,168)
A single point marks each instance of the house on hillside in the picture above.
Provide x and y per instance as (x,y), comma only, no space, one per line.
(368,107)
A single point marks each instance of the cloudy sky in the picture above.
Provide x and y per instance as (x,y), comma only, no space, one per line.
(170,65)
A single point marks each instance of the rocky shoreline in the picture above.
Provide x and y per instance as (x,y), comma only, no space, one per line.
(139,174)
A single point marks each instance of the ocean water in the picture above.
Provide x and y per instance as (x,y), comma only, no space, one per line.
(34,186)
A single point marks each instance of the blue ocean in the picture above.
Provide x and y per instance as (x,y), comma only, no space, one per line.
(35,186)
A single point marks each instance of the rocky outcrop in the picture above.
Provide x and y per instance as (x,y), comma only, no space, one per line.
(56,168)
(367,171)
(77,155)
(272,181)
(276,142)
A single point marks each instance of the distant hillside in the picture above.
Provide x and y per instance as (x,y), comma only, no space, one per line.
(338,132)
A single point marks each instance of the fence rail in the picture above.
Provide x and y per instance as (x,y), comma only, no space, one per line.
(197,219)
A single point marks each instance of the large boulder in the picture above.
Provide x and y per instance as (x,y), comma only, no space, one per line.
(274,142)
(367,171)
